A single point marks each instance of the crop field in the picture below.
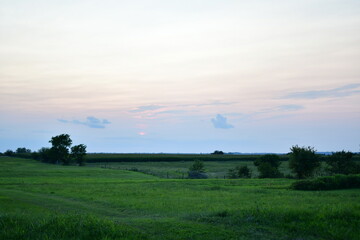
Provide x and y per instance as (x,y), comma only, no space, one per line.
(134,157)
(45,201)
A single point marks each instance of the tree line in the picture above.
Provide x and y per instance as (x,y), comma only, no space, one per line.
(60,152)
(303,162)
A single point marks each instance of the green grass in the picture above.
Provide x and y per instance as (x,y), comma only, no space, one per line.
(43,201)
(179,170)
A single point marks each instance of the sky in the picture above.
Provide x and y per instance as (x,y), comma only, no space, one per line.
(181,76)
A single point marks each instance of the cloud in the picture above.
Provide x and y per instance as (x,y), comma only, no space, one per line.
(221,122)
(289,107)
(91,122)
(172,112)
(214,103)
(344,91)
(146,108)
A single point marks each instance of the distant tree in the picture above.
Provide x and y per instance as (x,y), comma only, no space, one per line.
(239,172)
(197,170)
(9,153)
(243,172)
(232,173)
(268,165)
(341,163)
(303,161)
(197,166)
(22,150)
(217,152)
(60,148)
(44,154)
(78,154)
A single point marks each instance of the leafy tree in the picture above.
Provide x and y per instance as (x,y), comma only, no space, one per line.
(78,153)
(22,150)
(9,153)
(44,155)
(197,166)
(232,173)
(268,165)
(303,161)
(239,172)
(341,163)
(60,148)
(217,152)
(197,170)
(243,172)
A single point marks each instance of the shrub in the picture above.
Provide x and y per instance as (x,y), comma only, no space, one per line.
(303,161)
(239,172)
(197,166)
(341,163)
(197,175)
(196,170)
(232,173)
(244,172)
(268,166)
(9,153)
(328,183)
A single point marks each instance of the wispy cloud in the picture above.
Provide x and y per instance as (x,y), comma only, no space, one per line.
(289,107)
(215,103)
(172,112)
(91,122)
(212,103)
(146,108)
(221,122)
(344,91)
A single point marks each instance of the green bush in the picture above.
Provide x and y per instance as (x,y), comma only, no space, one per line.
(328,183)
(267,166)
(239,172)
(303,161)
(341,163)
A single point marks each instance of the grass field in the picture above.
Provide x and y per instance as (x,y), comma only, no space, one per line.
(43,201)
(179,169)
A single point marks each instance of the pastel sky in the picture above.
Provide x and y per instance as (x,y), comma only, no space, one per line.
(181,76)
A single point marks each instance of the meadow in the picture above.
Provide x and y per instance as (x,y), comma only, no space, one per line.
(45,201)
(179,169)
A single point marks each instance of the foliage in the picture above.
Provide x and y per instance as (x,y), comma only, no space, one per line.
(9,153)
(22,150)
(328,183)
(239,172)
(217,152)
(303,161)
(197,166)
(60,148)
(78,153)
(268,166)
(197,170)
(341,163)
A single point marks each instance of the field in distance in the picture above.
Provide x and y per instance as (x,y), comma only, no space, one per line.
(45,201)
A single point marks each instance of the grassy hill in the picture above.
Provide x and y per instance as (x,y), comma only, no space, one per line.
(43,201)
